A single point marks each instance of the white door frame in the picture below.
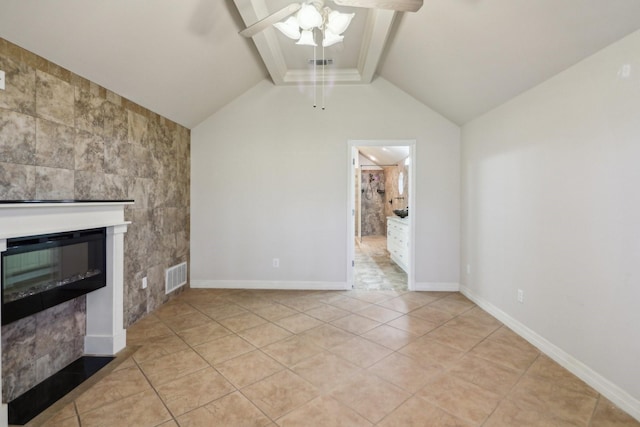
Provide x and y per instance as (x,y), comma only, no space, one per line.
(351,159)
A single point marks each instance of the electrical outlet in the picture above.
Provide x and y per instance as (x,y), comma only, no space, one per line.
(144,283)
(468,269)
(520,296)
(276,262)
(2,80)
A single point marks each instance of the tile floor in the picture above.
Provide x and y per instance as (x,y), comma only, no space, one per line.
(334,358)
(374,269)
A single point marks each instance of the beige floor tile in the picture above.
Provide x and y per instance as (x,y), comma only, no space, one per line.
(233,410)
(405,372)
(509,338)
(265,334)
(473,326)
(547,369)
(67,417)
(403,303)
(349,304)
(372,297)
(222,311)
(379,314)
(249,368)
(147,329)
(355,323)
(325,370)
(510,356)
(223,349)
(323,411)
(509,414)
(609,415)
(242,321)
(326,313)
(428,352)
(172,366)
(159,347)
(115,386)
(417,412)
(173,309)
(186,321)
(302,303)
(389,337)
(194,390)
(298,323)
(201,334)
(454,306)
(327,336)
(292,350)
(486,374)
(537,394)
(454,337)
(460,398)
(280,393)
(275,311)
(413,324)
(361,352)
(369,396)
(432,314)
(141,410)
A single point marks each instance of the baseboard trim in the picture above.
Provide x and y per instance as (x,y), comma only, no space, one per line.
(605,387)
(436,286)
(267,284)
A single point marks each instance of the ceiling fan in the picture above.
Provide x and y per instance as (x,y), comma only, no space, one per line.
(397,5)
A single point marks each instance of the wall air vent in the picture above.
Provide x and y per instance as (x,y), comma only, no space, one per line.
(321,62)
(175,277)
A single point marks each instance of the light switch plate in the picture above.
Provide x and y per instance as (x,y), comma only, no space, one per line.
(1,80)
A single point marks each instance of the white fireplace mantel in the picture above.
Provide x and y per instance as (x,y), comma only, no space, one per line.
(105,333)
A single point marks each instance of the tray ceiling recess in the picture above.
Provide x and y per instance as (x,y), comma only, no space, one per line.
(353,61)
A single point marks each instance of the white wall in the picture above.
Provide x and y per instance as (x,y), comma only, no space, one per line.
(269,180)
(551,205)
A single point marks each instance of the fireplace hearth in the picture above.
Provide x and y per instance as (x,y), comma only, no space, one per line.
(91,221)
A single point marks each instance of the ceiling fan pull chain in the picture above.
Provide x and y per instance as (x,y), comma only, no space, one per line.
(323,76)
(315,77)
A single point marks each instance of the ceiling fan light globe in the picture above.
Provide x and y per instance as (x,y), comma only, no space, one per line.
(330,38)
(289,28)
(309,17)
(306,38)
(338,22)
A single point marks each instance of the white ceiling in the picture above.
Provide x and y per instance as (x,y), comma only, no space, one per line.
(185,60)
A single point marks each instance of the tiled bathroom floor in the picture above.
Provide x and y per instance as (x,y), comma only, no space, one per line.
(334,358)
(374,269)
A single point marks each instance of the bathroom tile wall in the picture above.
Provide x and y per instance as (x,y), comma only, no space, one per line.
(372,203)
(392,192)
(65,137)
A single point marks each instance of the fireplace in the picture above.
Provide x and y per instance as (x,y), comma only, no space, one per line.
(24,223)
(39,272)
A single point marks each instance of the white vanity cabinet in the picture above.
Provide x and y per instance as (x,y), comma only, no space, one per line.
(398,241)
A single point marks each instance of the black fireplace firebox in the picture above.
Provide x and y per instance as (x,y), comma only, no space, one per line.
(39,272)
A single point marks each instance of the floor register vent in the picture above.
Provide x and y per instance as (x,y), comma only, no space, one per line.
(175,277)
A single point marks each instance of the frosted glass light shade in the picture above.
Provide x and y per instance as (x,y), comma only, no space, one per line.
(306,38)
(330,38)
(289,28)
(309,17)
(338,22)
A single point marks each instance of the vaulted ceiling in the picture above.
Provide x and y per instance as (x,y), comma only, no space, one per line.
(185,59)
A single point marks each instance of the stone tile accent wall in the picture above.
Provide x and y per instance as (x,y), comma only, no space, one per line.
(64,137)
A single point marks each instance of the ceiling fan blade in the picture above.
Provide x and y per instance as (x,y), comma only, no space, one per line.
(278,16)
(399,5)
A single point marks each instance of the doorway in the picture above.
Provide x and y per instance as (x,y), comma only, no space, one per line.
(380,234)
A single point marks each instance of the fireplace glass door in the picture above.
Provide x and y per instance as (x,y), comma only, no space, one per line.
(41,271)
